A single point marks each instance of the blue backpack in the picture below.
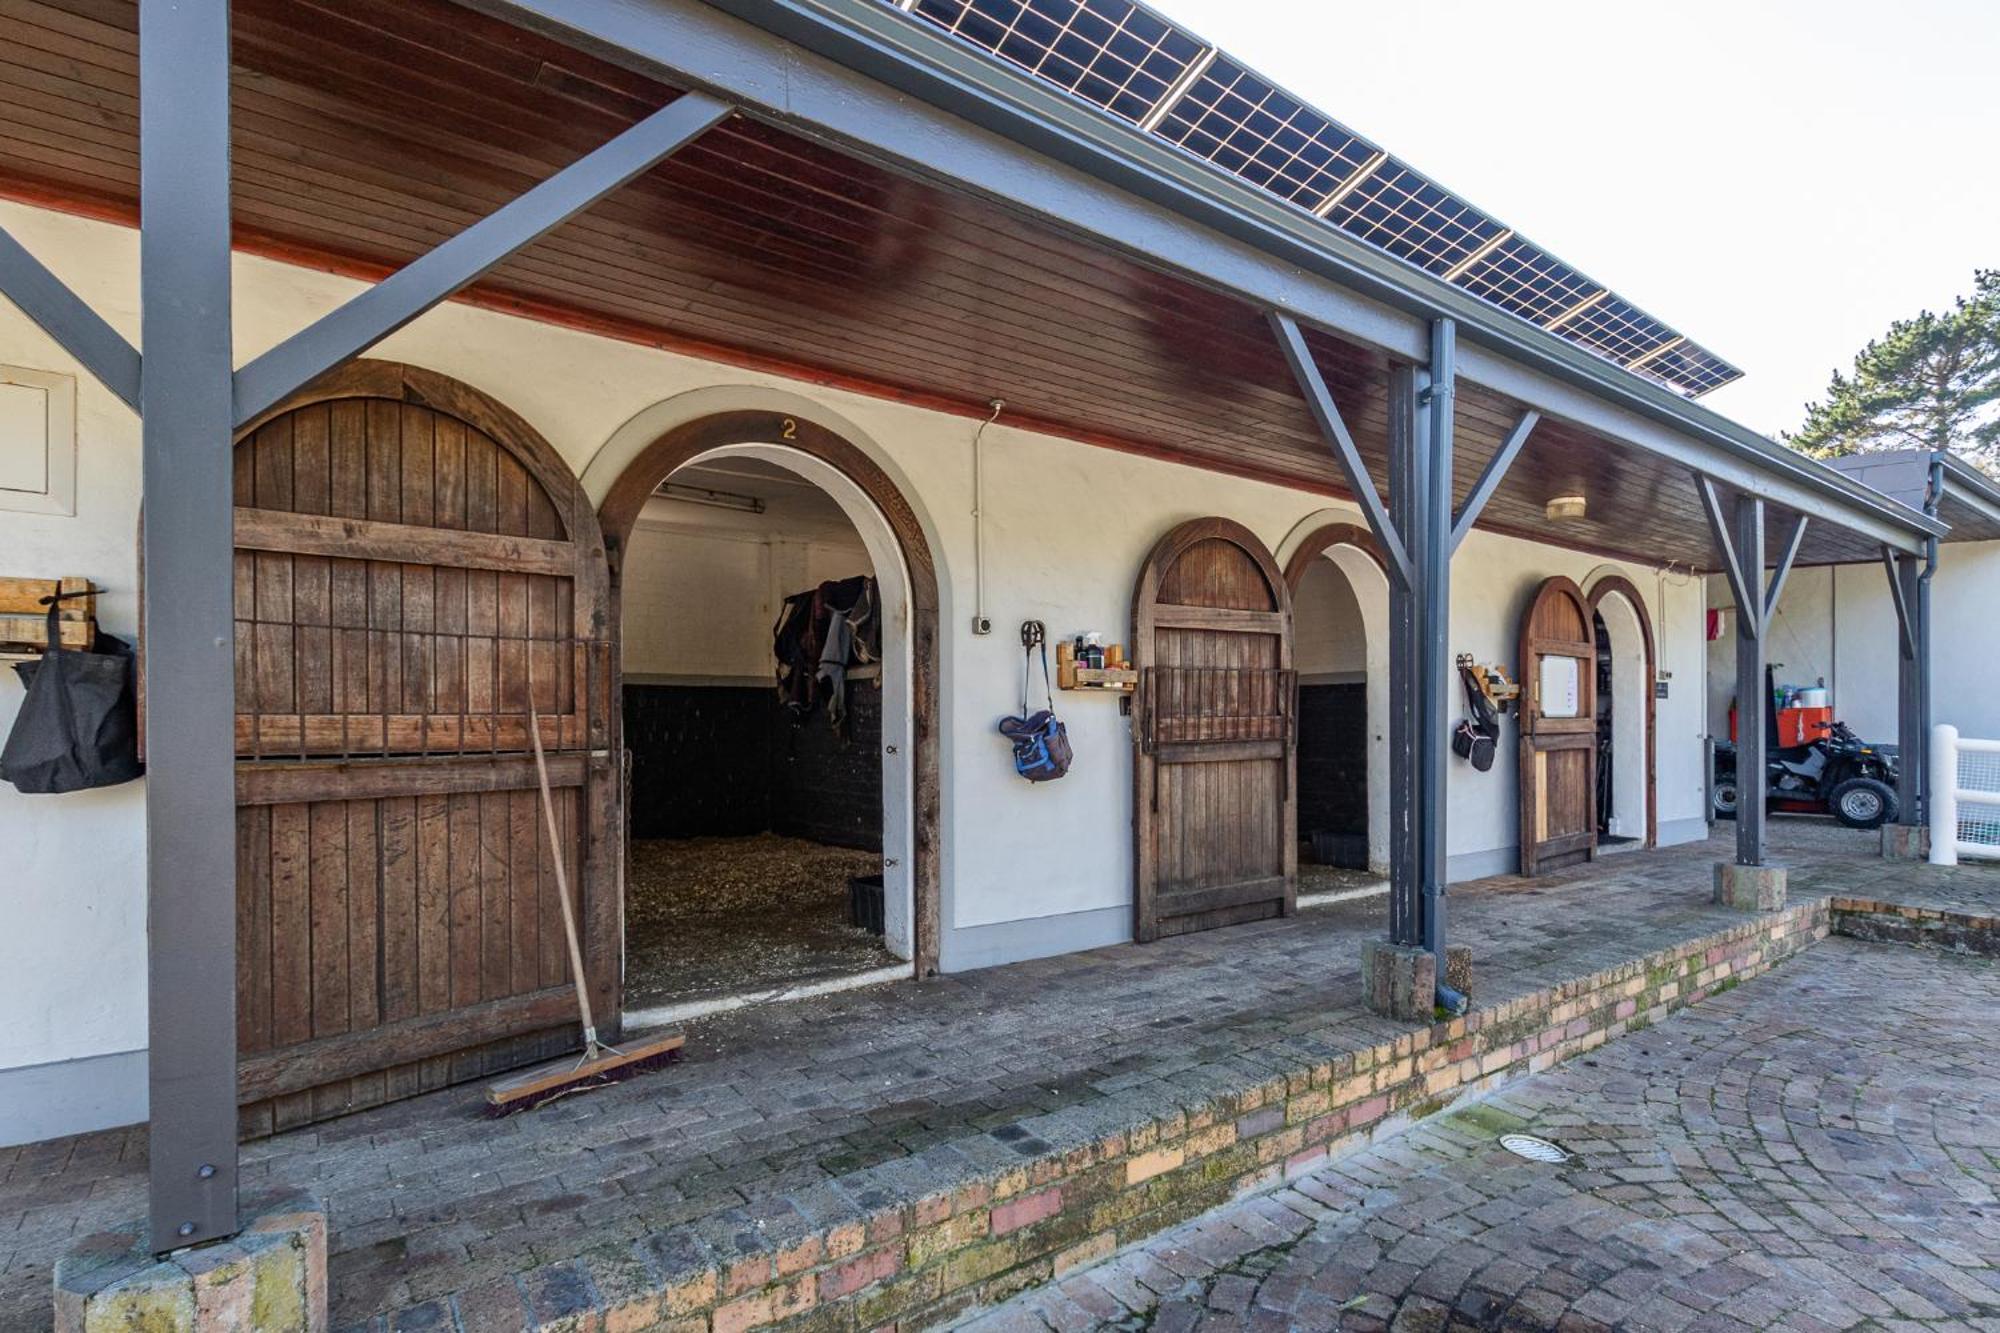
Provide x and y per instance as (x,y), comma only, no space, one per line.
(1041,742)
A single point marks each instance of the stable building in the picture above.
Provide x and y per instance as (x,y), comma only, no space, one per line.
(500,370)
(1839,628)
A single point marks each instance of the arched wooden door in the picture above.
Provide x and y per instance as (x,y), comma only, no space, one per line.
(410,556)
(1558,752)
(1213,733)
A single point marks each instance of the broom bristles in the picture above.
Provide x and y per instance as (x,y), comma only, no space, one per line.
(537,1088)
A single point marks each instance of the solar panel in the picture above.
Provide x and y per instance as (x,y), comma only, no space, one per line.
(1690,368)
(1618,331)
(1252,129)
(1399,210)
(1124,58)
(1527,281)
(1111,53)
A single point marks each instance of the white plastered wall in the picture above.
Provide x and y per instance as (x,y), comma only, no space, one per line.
(702,586)
(1839,622)
(1027,869)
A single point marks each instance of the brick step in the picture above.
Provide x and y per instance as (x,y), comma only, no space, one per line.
(916,1242)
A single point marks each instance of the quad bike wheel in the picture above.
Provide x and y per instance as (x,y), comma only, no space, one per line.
(1862,803)
(1723,798)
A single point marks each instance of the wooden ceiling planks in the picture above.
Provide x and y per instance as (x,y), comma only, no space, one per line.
(367,132)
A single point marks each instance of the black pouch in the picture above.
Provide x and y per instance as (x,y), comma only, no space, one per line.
(1476,738)
(78,728)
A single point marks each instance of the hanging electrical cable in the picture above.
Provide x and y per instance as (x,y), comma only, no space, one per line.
(980,623)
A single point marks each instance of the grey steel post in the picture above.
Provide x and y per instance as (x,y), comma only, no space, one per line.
(1407,463)
(1430,548)
(1753,702)
(1909,590)
(185,401)
(1919,759)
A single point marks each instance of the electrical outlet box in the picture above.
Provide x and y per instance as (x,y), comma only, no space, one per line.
(982,625)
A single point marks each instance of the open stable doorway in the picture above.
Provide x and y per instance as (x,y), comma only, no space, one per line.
(1622,634)
(754,634)
(1335,723)
(1340,612)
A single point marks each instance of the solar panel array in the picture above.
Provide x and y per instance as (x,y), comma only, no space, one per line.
(1134,64)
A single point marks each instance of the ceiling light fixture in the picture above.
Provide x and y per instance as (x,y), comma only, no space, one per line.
(1565,507)
(702,495)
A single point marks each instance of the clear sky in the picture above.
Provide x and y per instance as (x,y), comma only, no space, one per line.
(1778,179)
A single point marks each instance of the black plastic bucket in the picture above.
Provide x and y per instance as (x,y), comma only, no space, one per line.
(864,902)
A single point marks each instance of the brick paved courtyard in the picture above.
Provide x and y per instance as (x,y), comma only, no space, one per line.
(786,1116)
(1819,1149)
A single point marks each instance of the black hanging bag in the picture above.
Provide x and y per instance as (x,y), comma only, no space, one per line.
(1477,737)
(79,724)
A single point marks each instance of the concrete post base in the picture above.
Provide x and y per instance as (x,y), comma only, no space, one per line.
(1458,968)
(272,1276)
(1750,888)
(1399,981)
(1906,842)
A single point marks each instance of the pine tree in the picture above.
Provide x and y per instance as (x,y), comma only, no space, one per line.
(1932,382)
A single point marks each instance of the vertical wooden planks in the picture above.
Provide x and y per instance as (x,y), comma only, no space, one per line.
(411,884)
(434,918)
(524,892)
(364,953)
(347,427)
(482,589)
(326,913)
(1214,823)
(253,929)
(496,914)
(291,943)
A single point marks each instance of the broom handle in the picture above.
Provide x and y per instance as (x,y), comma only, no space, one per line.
(562,876)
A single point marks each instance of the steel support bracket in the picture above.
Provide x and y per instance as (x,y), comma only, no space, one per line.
(1491,476)
(343,334)
(1326,413)
(59,312)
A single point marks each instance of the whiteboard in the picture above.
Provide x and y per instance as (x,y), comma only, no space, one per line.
(1561,688)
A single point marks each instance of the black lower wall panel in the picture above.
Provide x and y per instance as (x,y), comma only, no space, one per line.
(701,759)
(827,785)
(728,761)
(1333,759)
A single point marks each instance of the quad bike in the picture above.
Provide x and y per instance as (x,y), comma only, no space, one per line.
(1837,774)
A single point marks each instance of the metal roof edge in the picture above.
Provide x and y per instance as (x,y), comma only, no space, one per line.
(1970,484)
(878,41)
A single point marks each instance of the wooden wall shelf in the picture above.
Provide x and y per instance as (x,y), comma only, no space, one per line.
(24,621)
(1113,680)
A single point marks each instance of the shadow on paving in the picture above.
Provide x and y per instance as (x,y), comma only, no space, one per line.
(426,1197)
(1816,1150)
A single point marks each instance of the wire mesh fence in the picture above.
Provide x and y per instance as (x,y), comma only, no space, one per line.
(1964,796)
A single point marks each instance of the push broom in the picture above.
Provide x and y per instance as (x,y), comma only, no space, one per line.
(601,1064)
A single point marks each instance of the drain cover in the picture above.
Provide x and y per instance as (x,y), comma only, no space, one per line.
(1532,1148)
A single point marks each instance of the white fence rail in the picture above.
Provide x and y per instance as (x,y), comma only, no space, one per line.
(1964,796)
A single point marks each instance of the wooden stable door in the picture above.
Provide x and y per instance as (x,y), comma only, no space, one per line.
(1558,752)
(410,557)
(1213,733)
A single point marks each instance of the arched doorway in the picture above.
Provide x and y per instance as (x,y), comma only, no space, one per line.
(1340,610)
(1558,728)
(1628,800)
(902,566)
(414,564)
(1214,823)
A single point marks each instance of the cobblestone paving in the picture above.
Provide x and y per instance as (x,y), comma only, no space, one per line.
(1819,1149)
(426,1196)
